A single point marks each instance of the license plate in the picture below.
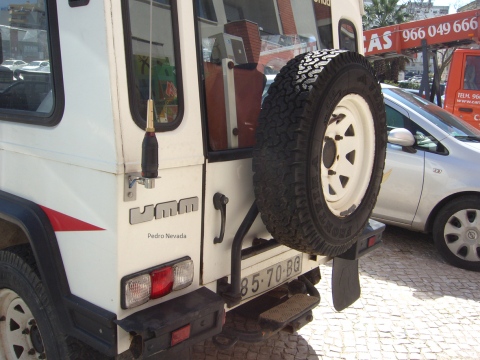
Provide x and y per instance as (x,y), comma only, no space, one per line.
(271,277)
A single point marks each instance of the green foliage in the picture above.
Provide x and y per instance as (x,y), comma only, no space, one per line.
(404,85)
(384,13)
(409,85)
(390,82)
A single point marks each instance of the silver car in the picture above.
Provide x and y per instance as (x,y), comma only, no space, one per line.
(431,180)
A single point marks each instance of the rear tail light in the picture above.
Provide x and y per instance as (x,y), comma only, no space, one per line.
(156,282)
(183,274)
(137,290)
(162,282)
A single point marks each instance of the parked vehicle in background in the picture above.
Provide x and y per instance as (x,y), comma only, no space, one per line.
(35,65)
(462,96)
(431,181)
(14,64)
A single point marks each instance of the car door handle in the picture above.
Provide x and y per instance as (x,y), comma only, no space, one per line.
(220,202)
(465,109)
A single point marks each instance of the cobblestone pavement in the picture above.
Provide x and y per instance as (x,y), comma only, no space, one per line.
(413,306)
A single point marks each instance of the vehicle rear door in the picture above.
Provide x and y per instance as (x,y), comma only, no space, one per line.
(243,44)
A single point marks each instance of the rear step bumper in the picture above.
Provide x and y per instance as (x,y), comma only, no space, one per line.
(293,313)
(202,310)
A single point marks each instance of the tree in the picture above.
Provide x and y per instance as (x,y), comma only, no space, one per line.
(444,58)
(384,13)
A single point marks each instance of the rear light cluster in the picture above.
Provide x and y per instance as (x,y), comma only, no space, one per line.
(156,282)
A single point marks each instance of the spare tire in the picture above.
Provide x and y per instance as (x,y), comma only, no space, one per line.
(320,151)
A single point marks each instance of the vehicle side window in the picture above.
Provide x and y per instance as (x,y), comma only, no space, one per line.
(166,70)
(471,78)
(423,139)
(395,119)
(27,91)
(252,41)
(348,35)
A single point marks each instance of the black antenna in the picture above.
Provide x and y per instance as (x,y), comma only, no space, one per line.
(150,144)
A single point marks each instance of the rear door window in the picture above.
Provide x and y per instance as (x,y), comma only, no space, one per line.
(166,70)
(259,38)
(348,35)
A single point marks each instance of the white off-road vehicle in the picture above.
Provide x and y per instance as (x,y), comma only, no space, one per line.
(133,169)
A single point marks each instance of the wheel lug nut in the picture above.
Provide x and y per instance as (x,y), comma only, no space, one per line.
(31,352)
(331,172)
(26,332)
(3,318)
(338,137)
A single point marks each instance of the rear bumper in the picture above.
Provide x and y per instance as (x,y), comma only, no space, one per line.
(152,328)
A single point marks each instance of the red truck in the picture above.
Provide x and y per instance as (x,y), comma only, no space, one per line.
(462,95)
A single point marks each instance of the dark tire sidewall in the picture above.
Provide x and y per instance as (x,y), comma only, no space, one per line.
(13,277)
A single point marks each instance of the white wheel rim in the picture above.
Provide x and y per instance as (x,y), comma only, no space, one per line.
(462,234)
(346,179)
(16,342)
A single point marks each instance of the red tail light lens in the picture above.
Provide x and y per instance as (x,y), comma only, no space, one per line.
(162,282)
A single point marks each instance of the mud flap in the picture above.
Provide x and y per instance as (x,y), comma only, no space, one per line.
(345,283)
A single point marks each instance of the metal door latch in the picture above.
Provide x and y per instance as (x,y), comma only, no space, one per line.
(220,202)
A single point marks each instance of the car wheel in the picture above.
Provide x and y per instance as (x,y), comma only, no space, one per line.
(456,232)
(320,151)
(29,327)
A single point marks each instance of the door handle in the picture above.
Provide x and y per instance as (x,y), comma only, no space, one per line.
(465,109)
(220,202)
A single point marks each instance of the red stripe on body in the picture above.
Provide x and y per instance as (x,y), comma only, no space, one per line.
(62,222)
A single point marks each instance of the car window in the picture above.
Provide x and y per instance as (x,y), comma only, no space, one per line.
(436,115)
(471,79)
(8,62)
(26,39)
(395,119)
(423,139)
(257,38)
(166,90)
(348,35)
